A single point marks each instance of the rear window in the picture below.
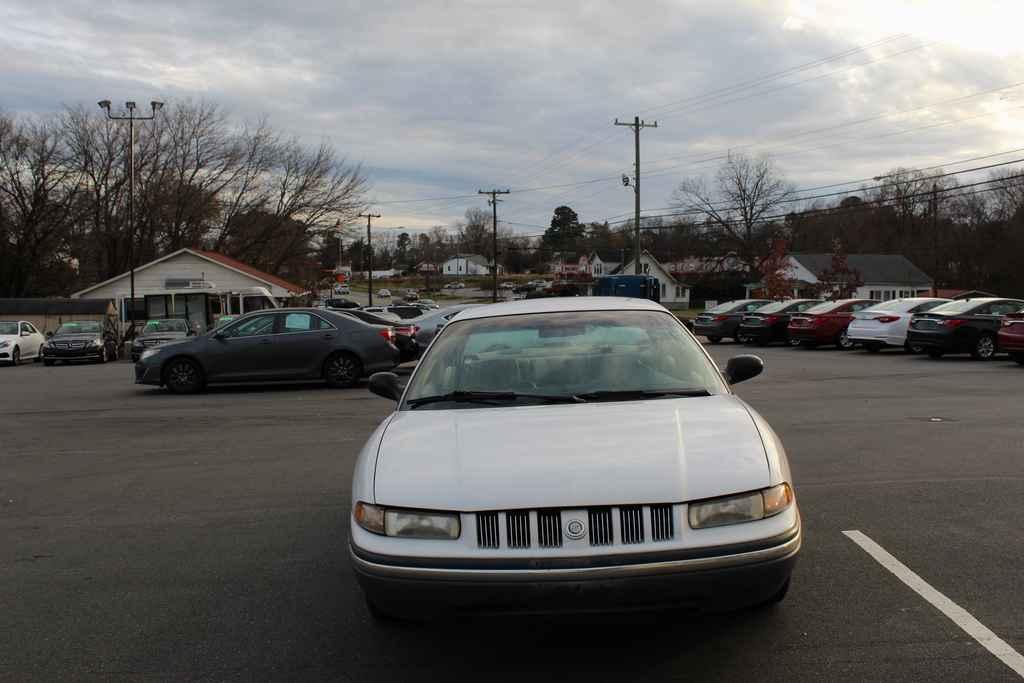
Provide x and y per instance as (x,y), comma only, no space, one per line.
(729,306)
(958,307)
(826,307)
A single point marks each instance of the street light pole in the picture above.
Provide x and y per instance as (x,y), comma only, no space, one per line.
(131,118)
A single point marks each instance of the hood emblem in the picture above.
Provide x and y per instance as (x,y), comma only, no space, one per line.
(575,529)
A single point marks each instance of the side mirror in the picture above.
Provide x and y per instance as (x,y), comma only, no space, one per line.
(385,385)
(741,368)
(26,334)
(219,336)
(49,334)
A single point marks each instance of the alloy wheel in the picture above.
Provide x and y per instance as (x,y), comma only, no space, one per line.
(985,347)
(844,341)
(183,377)
(342,370)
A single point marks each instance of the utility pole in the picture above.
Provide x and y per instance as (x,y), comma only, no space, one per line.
(935,239)
(369,253)
(493,201)
(636,125)
(131,118)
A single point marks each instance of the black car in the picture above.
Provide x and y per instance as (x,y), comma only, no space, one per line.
(269,345)
(724,320)
(405,335)
(341,303)
(157,332)
(964,326)
(88,340)
(768,324)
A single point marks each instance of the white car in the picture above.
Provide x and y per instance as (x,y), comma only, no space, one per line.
(886,324)
(570,454)
(384,293)
(455,285)
(19,340)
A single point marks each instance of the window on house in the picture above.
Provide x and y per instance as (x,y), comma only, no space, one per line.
(679,292)
(875,294)
(647,269)
(663,290)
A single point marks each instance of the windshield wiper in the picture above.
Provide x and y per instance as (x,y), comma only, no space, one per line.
(639,394)
(491,397)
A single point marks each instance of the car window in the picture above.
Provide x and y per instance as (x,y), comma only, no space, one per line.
(755,306)
(564,353)
(25,327)
(251,327)
(300,322)
(860,306)
(1004,308)
(926,306)
(956,307)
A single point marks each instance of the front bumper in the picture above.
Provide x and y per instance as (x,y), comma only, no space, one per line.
(146,373)
(869,336)
(86,353)
(720,578)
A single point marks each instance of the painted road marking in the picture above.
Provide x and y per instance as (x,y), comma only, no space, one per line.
(961,617)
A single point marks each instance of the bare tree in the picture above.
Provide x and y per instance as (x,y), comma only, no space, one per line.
(738,207)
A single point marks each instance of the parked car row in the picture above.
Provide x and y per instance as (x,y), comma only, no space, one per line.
(981,327)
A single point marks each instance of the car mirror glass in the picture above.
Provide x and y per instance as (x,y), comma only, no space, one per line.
(385,385)
(742,368)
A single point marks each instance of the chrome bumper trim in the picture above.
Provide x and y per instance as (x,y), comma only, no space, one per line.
(778,552)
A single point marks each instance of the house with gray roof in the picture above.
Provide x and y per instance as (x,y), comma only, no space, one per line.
(884,276)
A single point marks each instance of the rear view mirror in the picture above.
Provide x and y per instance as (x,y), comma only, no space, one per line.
(385,385)
(742,368)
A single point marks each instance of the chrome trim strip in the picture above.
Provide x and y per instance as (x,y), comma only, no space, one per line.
(781,551)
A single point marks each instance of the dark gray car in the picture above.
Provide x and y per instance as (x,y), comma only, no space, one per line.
(157,332)
(724,319)
(269,345)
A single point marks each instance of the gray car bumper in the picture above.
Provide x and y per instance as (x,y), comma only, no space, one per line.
(727,580)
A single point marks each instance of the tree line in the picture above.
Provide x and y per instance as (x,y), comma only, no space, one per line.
(202,180)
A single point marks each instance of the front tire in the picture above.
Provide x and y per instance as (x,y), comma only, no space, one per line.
(715,340)
(935,354)
(183,376)
(984,347)
(795,343)
(342,371)
(15,357)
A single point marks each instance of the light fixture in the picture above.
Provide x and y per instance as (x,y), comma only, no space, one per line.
(130,106)
(104,104)
(157,106)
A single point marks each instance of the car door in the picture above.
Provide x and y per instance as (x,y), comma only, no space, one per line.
(242,350)
(31,340)
(302,345)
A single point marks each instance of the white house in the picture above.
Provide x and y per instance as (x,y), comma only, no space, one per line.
(468,264)
(673,292)
(195,284)
(884,276)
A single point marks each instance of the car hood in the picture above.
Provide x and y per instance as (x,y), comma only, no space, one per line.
(9,337)
(654,451)
(163,337)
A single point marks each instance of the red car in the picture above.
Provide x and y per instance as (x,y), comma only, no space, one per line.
(1011,336)
(825,323)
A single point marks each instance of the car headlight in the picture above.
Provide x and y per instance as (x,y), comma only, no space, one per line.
(4,344)
(407,523)
(748,507)
(96,342)
(148,353)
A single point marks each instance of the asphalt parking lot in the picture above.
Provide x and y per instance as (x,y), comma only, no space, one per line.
(150,536)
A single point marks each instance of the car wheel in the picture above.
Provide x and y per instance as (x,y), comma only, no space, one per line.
(935,353)
(844,342)
(794,342)
(913,348)
(984,347)
(182,376)
(742,339)
(715,340)
(873,348)
(342,371)
(15,356)
(1018,358)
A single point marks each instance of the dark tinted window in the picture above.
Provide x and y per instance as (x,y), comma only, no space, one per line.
(927,306)
(251,327)
(960,307)
(861,305)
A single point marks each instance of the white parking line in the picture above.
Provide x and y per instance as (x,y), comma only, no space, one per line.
(961,617)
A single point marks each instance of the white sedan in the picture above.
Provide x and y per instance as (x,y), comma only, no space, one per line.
(19,340)
(886,324)
(571,454)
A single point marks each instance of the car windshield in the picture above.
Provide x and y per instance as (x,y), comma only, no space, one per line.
(564,354)
(8,328)
(84,327)
(957,307)
(824,307)
(158,326)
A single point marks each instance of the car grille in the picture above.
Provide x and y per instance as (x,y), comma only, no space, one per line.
(549,528)
(69,345)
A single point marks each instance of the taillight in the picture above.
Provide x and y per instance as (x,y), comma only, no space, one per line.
(817,321)
(887,318)
(953,322)
(770,319)
(721,318)
(388,334)
(1012,321)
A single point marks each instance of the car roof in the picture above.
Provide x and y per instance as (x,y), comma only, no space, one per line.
(560,304)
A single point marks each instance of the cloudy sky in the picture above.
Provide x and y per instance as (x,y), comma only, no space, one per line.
(438,99)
